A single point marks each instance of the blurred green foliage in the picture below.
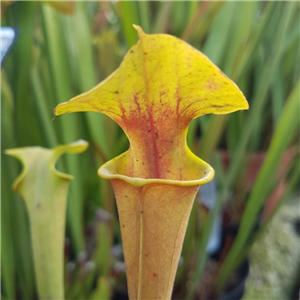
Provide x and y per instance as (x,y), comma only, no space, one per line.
(58,56)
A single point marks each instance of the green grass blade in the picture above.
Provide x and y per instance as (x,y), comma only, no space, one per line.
(17,268)
(244,15)
(7,244)
(77,30)
(249,53)
(211,137)
(292,185)
(22,56)
(191,9)
(238,153)
(285,130)
(178,18)
(129,15)
(41,102)
(220,32)
(201,21)
(162,17)
(70,132)
(144,8)
(278,96)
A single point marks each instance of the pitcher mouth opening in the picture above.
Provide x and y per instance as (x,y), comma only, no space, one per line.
(111,171)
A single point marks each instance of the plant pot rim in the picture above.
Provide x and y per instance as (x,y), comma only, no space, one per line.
(105,171)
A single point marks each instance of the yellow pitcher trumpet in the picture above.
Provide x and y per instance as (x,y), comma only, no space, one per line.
(161,86)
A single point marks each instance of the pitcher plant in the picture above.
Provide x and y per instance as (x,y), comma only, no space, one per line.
(161,86)
(45,191)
